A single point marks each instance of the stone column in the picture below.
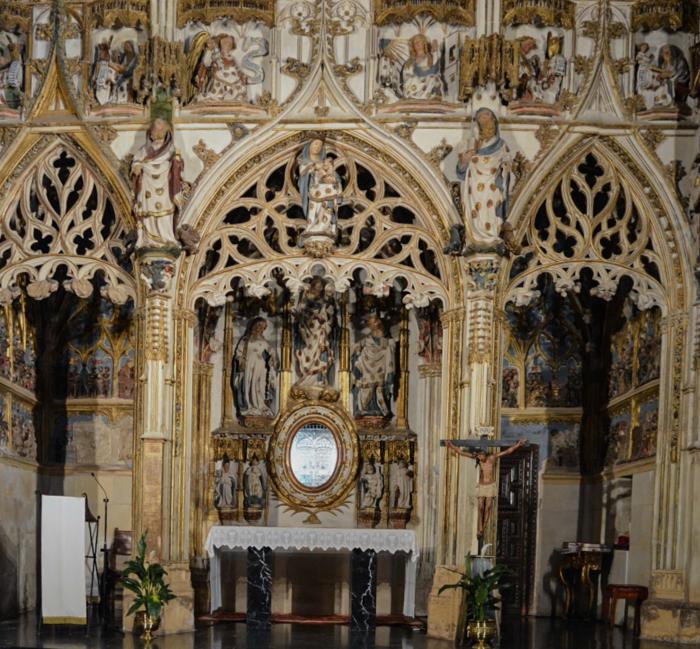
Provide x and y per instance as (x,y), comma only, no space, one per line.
(402,397)
(259,599)
(363,590)
(471,391)
(427,506)
(161,452)
(450,410)
(672,612)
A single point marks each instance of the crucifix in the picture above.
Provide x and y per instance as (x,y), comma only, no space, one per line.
(478,450)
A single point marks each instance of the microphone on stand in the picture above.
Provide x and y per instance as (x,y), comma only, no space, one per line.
(105,553)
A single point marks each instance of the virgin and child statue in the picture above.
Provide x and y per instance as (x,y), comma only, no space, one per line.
(320,189)
(314,352)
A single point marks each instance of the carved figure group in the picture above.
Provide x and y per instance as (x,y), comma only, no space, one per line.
(156,176)
(662,80)
(540,79)
(112,76)
(254,375)
(314,345)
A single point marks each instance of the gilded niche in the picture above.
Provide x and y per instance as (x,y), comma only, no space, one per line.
(240,11)
(127,13)
(670,15)
(559,13)
(454,12)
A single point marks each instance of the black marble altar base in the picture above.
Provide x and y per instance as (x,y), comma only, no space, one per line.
(259,580)
(363,589)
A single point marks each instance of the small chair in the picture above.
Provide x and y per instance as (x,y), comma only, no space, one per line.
(630,593)
(119,554)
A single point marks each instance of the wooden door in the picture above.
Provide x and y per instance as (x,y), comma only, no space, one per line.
(517,525)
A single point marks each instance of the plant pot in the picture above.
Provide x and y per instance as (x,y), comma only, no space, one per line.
(481,633)
(145,625)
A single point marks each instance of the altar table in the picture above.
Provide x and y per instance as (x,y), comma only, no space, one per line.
(363,543)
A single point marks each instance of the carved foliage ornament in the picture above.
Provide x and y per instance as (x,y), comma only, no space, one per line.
(455,12)
(671,15)
(241,11)
(61,216)
(15,15)
(555,13)
(128,13)
(591,219)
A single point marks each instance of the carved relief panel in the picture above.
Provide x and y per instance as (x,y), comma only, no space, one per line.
(418,55)
(542,44)
(227,50)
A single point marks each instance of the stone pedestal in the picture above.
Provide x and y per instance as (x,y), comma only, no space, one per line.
(259,590)
(363,593)
(444,610)
(178,615)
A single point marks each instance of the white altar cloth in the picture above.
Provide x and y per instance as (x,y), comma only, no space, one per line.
(306,538)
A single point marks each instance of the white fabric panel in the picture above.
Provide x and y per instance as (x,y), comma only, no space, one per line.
(63,560)
(304,538)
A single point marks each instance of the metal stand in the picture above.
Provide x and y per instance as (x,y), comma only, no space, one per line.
(104,604)
(93,526)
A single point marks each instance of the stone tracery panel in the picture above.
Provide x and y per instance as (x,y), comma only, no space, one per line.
(592,219)
(260,236)
(60,216)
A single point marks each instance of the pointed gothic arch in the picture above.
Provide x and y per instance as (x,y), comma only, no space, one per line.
(390,226)
(60,214)
(601,211)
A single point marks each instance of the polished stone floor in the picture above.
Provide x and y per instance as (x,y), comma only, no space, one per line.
(537,633)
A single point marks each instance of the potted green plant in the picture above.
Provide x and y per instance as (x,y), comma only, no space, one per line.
(481,590)
(146,579)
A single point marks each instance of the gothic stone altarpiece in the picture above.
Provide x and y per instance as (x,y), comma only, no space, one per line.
(257,259)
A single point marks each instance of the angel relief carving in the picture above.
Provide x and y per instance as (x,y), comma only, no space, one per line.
(418,61)
(224,65)
(412,68)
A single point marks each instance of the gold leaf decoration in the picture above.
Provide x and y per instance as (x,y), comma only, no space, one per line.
(550,13)
(396,12)
(240,11)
